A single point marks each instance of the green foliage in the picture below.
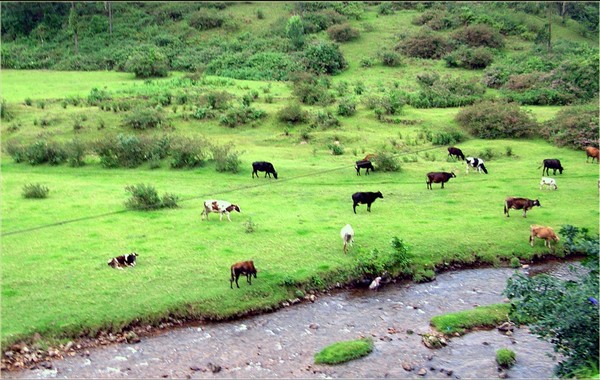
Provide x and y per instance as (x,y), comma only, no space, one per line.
(76,152)
(143,118)
(294,30)
(343,32)
(391,58)
(324,119)
(292,113)
(97,96)
(205,19)
(493,120)
(236,116)
(5,112)
(424,44)
(35,191)
(218,100)
(42,151)
(120,151)
(423,275)
(250,226)
(148,62)
(460,322)
(477,58)
(563,312)
(574,127)
(437,91)
(346,107)
(444,137)
(226,158)
(188,152)
(325,58)
(336,149)
(479,35)
(505,358)
(386,162)
(310,89)
(342,352)
(145,198)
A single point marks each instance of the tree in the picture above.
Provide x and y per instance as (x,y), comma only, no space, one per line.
(108,8)
(74,26)
(294,30)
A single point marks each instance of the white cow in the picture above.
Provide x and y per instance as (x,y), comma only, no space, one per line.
(347,234)
(222,207)
(548,182)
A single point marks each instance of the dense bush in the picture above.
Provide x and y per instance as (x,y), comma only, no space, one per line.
(292,113)
(205,19)
(294,30)
(479,35)
(76,152)
(188,152)
(343,32)
(574,127)
(435,19)
(565,313)
(97,96)
(346,107)
(493,120)
(148,62)
(444,91)
(310,89)
(324,58)
(324,119)
(390,58)
(35,191)
(120,151)
(42,151)
(444,137)
(424,44)
(386,162)
(5,112)
(145,198)
(478,58)
(236,116)
(143,118)
(226,158)
(315,22)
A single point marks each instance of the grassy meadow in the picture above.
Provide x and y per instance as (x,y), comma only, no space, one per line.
(54,251)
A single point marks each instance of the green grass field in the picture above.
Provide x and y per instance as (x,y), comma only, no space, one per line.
(55,278)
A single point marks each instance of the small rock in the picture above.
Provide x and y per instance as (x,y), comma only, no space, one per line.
(386,338)
(214,368)
(486,343)
(525,266)
(407,367)
(506,326)
(285,304)
(410,332)
(313,326)
(69,345)
(503,375)
(312,298)
(294,301)
(46,365)
(449,372)
(422,372)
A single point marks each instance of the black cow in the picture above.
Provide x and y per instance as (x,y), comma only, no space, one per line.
(453,151)
(365,198)
(364,164)
(551,163)
(437,177)
(263,166)
(520,203)
(477,163)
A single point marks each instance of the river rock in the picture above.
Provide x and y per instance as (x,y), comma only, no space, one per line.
(433,341)
(506,327)
(214,368)
(313,326)
(422,372)
(407,366)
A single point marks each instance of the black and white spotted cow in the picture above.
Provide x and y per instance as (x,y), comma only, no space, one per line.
(476,163)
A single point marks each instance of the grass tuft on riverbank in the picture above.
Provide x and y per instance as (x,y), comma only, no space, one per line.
(488,316)
(342,352)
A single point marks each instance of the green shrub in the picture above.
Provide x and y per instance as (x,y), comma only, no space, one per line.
(385,9)
(424,44)
(574,127)
(386,162)
(143,197)
(292,113)
(346,107)
(435,19)
(315,22)
(390,58)
(505,358)
(343,32)
(42,151)
(205,19)
(324,58)
(479,35)
(16,151)
(294,30)
(488,316)
(311,91)
(493,120)
(423,275)
(121,151)
(188,152)
(234,117)
(342,352)
(97,96)
(76,152)
(148,62)
(477,58)
(5,112)
(35,191)
(169,201)
(250,226)
(324,119)
(143,118)
(218,100)
(226,158)
(445,137)
(336,149)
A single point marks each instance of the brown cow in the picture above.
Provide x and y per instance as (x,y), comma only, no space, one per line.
(593,152)
(520,203)
(546,233)
(437,177)
(369,157)
(242,268)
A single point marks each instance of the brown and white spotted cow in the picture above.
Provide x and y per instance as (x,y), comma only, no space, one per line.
(222,207)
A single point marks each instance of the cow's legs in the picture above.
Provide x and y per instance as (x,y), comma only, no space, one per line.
(368,207)
(354,207)
(227,216)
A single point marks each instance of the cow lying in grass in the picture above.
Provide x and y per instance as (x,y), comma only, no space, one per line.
(122,261)
(242,268)
(545,233)
(222,207)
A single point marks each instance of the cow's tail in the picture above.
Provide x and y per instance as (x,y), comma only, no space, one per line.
(484,169)
(505,207)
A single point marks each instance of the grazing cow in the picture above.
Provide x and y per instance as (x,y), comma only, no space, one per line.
(548,182)
(437,177)
(347,234)
(546,233)
(364,164)
(593,152)
(477,163)
(454,151)
(222,207)
(263,166)
(122,261)
(242,268)
(520,204)
(365,198)
(551,163)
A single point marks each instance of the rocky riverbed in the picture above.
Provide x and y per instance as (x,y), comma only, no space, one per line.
(282,344)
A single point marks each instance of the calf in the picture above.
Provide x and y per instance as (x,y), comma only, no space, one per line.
(477,163)
(242,268)
(122,261)
(365,198)
(546,233)
(453,151)
(222,207)
(593,152)
(548,182)
(437,177)
(520,204)
(551,163)
(347,234)
(263,166)
(364,164)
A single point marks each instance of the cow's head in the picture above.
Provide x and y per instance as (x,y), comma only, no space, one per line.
(537,203)
(130,258)
(452,175)
(234,208)
(379,195)
(275,174)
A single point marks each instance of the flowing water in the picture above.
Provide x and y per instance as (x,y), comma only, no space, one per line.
(282,344)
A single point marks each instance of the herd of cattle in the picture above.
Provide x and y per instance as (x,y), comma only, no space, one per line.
(248,269)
